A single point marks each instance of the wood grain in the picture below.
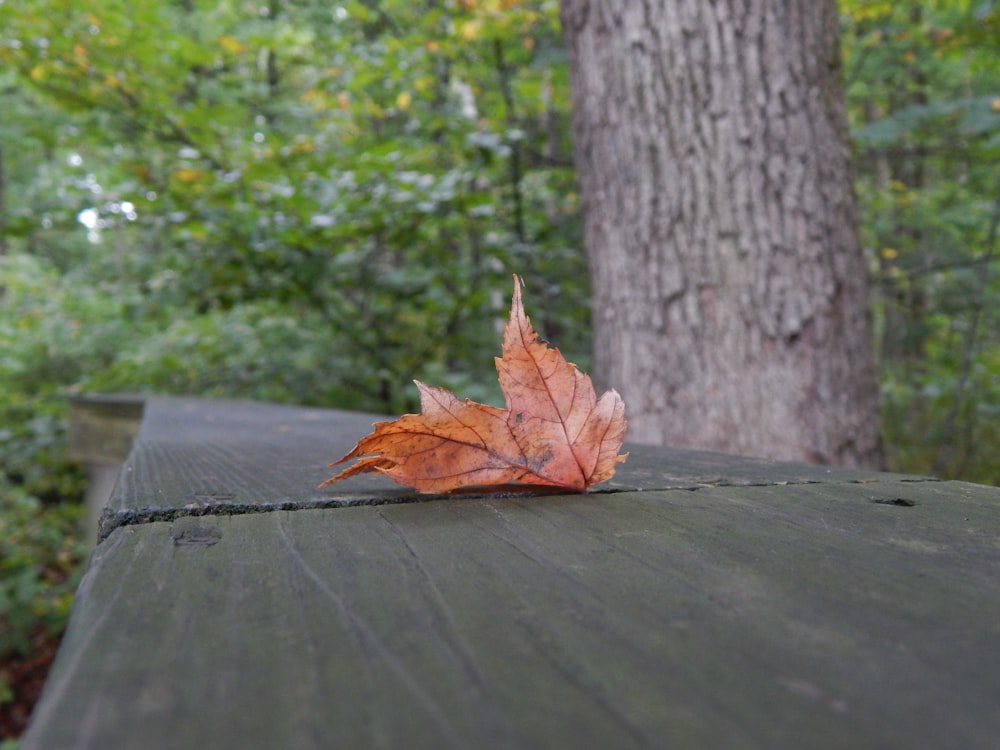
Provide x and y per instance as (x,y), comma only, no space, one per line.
(819,615)
(742,604)
(205,457)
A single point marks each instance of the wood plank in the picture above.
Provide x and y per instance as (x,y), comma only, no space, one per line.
(101,431)
(822,615)
(198,456)
(102,428)
(201,456)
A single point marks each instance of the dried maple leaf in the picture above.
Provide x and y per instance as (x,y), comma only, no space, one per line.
(555,432)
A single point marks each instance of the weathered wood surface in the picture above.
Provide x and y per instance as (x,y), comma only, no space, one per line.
(225,457)
(713,602)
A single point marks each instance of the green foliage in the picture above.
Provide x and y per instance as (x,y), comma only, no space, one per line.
(54,328)
(41,549)
(373,173)
(924,97)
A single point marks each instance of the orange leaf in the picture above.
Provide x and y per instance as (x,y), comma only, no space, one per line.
(555,432)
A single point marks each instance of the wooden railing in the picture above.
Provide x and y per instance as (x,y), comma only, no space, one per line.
(695,601)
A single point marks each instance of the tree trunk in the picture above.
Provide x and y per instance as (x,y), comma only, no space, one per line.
(730,289)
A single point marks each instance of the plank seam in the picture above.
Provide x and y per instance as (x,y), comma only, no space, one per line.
(208,505)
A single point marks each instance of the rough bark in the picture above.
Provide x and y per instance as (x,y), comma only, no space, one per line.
(730,288)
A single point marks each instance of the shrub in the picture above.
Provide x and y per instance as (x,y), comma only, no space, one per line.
(41,551)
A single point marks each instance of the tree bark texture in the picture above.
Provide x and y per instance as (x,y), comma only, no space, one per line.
(730,289)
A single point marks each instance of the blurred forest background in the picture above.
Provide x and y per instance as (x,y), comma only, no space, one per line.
(315,202)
